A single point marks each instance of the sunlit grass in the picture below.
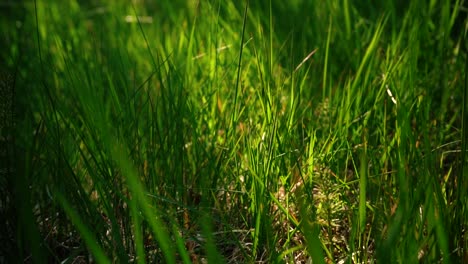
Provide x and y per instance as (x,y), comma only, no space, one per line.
(237,131)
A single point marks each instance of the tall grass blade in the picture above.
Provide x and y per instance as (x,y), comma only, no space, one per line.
(87,235)
(138,193)
(462,199)
(234,116)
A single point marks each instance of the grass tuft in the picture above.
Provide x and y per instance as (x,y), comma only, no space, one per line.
(234,131)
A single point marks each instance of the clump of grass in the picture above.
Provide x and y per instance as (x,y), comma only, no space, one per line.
(236,132)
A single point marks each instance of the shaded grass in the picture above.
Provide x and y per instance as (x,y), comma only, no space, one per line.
(238,132)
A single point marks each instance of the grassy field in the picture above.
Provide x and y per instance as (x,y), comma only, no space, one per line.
(301,131)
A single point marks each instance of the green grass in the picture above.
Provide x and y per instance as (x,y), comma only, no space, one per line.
(234,131)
